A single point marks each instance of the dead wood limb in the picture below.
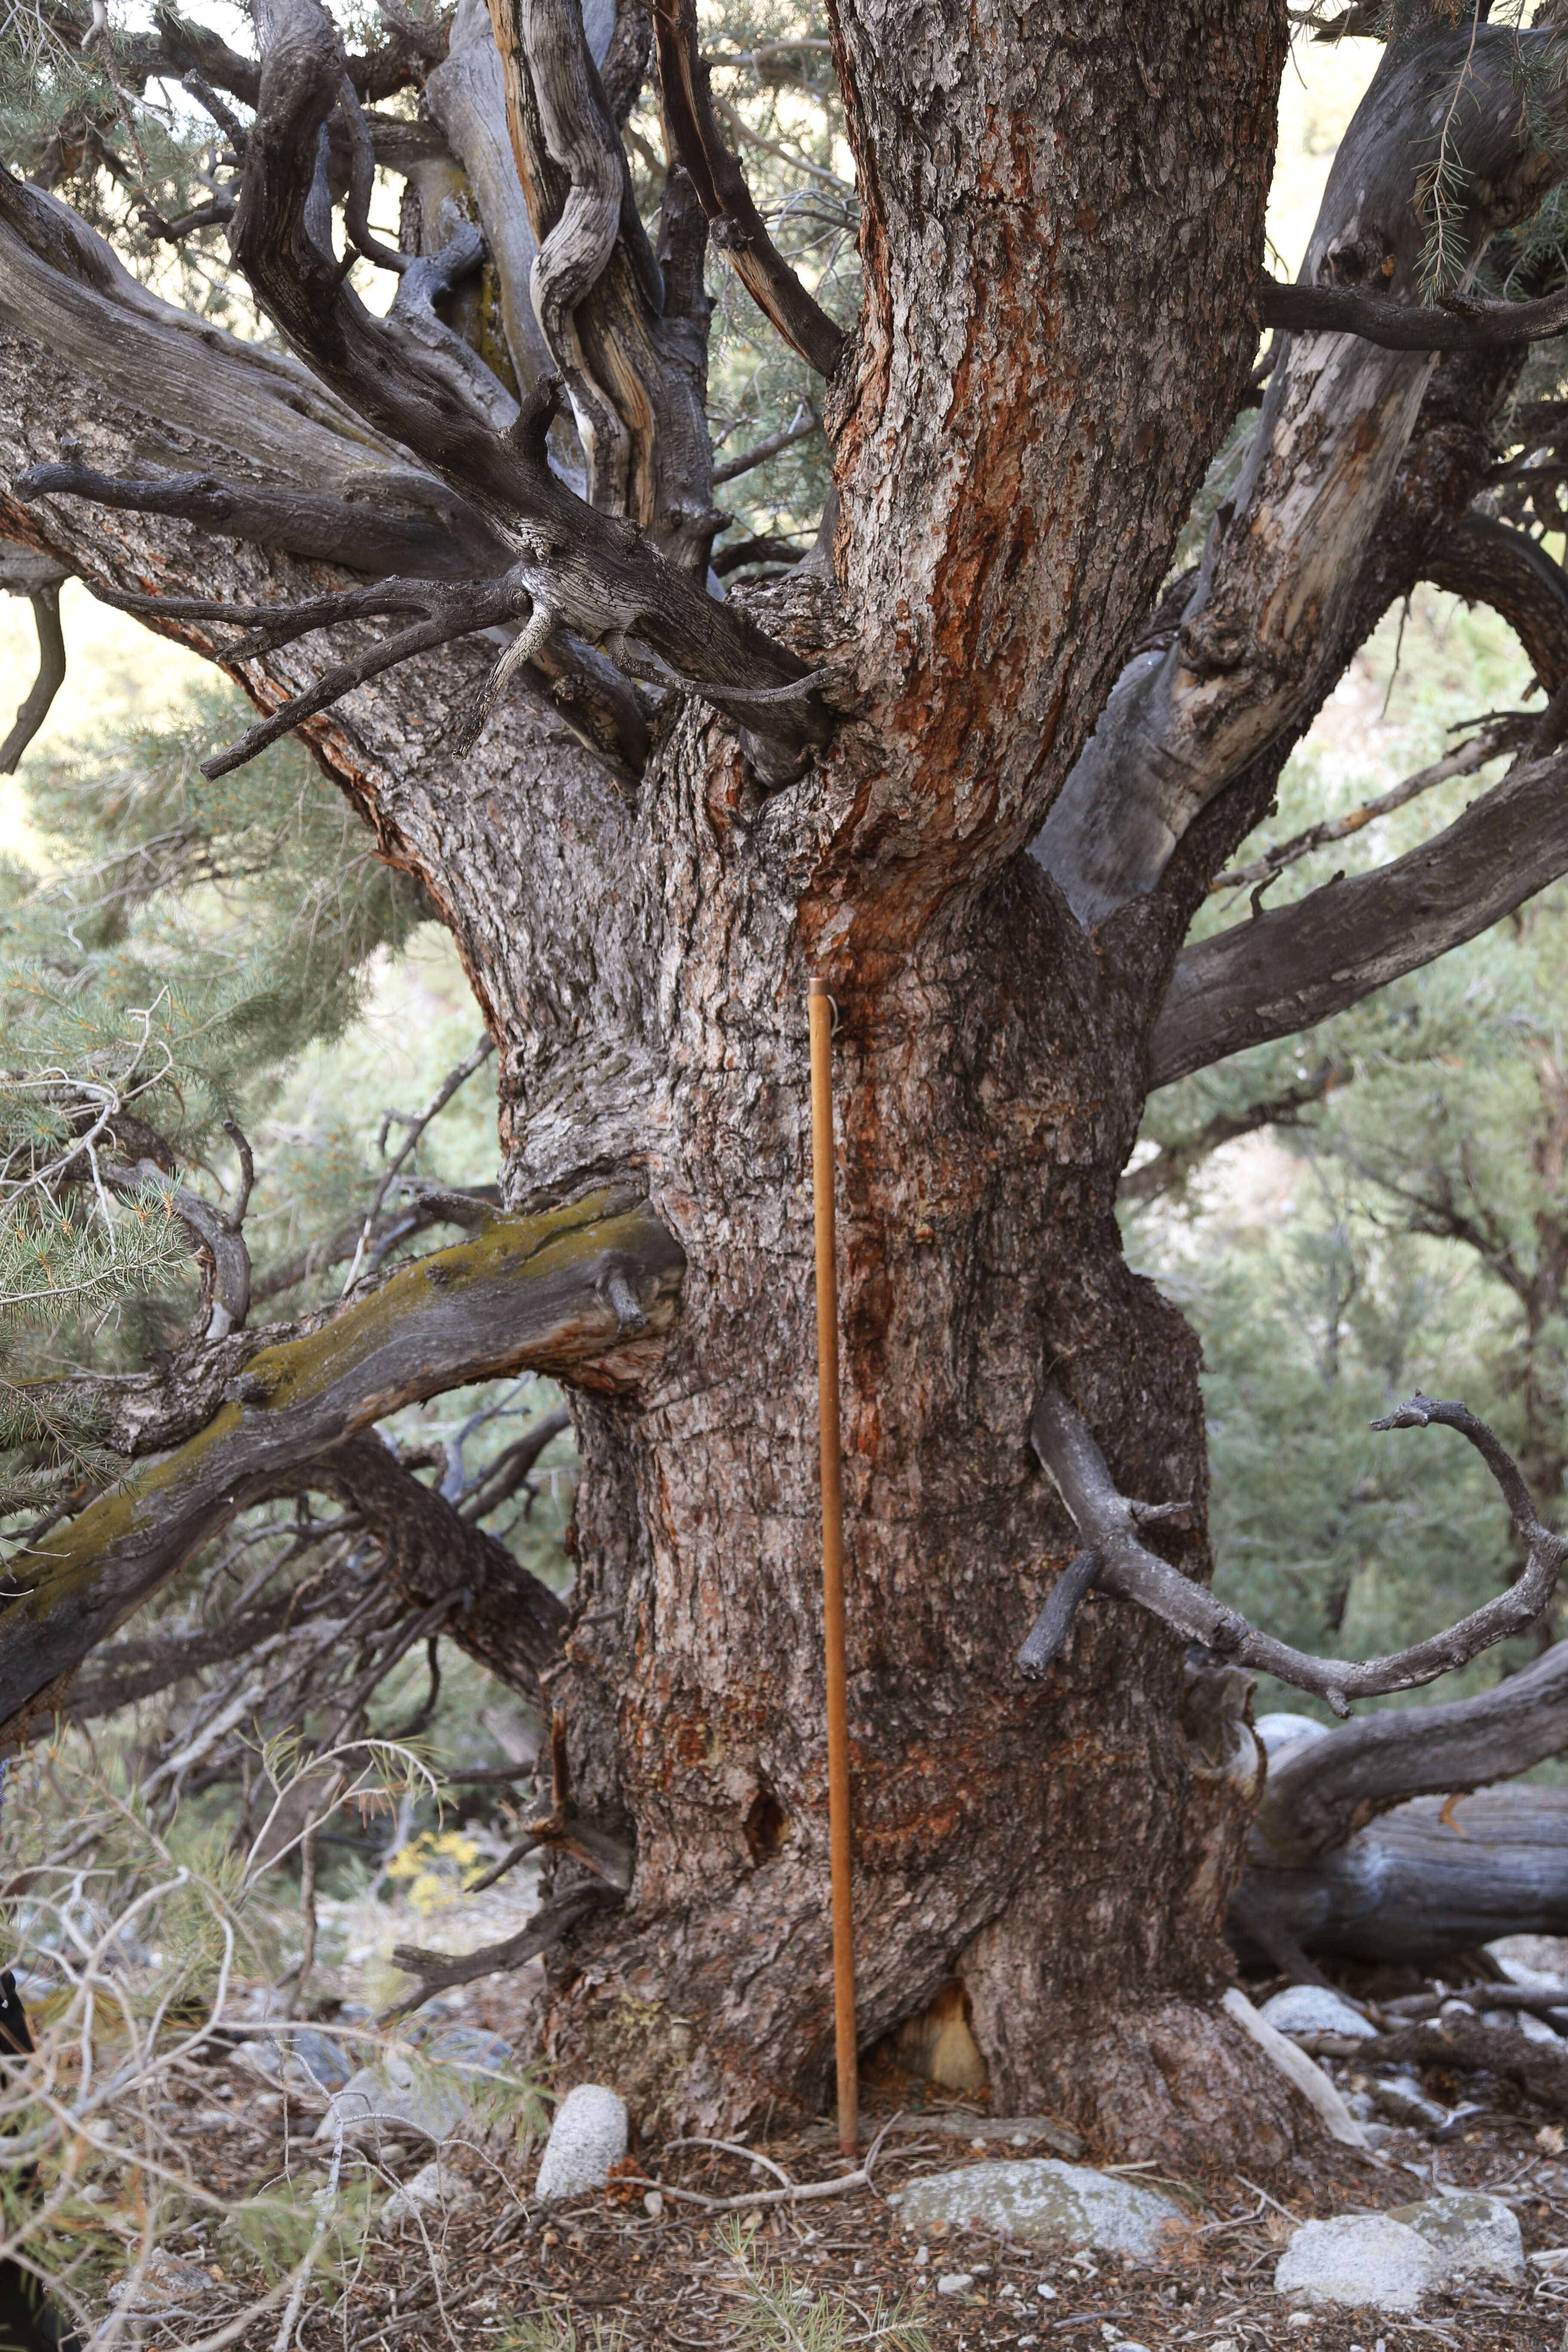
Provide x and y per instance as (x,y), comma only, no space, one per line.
(1289,968)
(1473,2047)
(1433,1878)
(528,1293)
(1049,1635)
(1175,1163)
(1510,732)
(228,1298)
(292,516)
(1321,1793)
(737,226)
(1109,1523)
(44,598)
(439,1971)
(1461,323)
(1533,2002)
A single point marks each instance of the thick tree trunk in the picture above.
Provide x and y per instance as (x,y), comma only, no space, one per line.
(1064,1857)
(1017,444)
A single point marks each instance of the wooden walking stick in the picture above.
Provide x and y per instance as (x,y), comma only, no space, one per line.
(819,1010)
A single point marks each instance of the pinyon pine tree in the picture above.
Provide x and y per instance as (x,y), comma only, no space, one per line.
(929,718)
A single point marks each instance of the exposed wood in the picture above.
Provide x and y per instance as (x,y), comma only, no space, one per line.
(1284,554)
(36,705)
(468,97)
(1460,324)
(1321,1793)
(738,227)
(1128,1569)
(1430,1880)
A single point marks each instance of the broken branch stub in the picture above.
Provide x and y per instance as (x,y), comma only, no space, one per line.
(1109,1524)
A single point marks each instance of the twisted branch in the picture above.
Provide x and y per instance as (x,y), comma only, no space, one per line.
(1109,1524)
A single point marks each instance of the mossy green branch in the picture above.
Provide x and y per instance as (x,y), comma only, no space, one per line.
(556,1292)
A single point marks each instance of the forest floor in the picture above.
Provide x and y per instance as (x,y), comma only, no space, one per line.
(504,2272)
(625,2270)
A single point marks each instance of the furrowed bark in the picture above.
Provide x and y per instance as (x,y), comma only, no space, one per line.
(503,1616)
(1295,965)
(534,1293)
(984,451)
(506,1619)
(1282,558)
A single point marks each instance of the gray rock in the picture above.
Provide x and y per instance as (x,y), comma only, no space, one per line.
(956,2283)
(1040,2199)
(1314,2009)
(426,2095)
(315,2062)
(1472,2234)
(588,2135)
(1279,1732)
(1360,2260)
(434,2190)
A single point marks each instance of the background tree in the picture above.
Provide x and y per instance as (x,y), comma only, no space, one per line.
(645,813)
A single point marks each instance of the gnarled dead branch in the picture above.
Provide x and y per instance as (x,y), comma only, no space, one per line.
(1126,1568)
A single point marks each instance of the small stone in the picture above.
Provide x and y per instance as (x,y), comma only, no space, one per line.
(653,2205)
(1475,2234)
(954,2282)
(1041,2199)
(1315,2008)
(435,2190)
(1045,2292)
(1356,2261)
(923,2256)
(1297,2320)
(587,2137)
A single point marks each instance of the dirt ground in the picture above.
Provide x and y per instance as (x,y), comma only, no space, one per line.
(672,2279)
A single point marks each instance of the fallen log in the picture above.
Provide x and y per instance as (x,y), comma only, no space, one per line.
(1432,1878)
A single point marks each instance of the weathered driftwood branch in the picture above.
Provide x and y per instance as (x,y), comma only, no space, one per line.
(1438,1876)
(1540,2068)
(737,227)
(1293,966)
(34,708)
(532,1292)
(1323,1790)
(1185,720)
(1110,1525)
(292,516)
(1510,732)
(218,1234)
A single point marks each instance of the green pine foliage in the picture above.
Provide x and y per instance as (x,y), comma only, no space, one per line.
(1406,1230)
(178,947)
